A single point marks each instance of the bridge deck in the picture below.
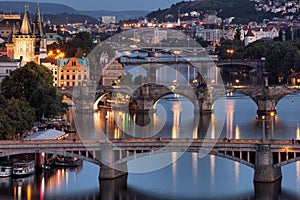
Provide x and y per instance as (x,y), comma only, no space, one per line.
(150,142)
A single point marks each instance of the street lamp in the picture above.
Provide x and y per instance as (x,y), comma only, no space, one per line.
(263,128)
(272,115)
(298,83)
(237,81)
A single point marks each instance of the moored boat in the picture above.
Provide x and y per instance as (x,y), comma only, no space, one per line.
(23,168)
(67,162)
(6,169)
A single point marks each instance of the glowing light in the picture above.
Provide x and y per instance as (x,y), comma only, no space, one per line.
(286,149)
(29,192)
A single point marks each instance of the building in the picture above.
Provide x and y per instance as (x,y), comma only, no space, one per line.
(112,72)
(108,19)
(254,33)
(51,64)
(7,65)
(28,42)
(209,34)
(7,23)
(72,71)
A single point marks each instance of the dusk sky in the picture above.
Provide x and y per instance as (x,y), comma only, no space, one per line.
(113,5)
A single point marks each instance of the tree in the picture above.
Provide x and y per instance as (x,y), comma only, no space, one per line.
(47,102)
(139,80)
(34,83)
(24,81)
(16,116)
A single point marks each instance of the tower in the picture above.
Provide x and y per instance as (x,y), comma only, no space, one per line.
(178,20)
(24,42)
(41,42)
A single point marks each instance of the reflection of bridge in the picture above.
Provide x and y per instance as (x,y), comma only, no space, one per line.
(265,157)
(145,97)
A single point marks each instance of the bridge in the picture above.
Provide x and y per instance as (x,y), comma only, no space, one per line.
(251,63)
(265,157)
(143,98)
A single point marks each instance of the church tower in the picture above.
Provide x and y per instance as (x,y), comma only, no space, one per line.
(25,41)
(41,41)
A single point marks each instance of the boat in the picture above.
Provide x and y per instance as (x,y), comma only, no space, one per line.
(23,168)
(6,169)
(61,161)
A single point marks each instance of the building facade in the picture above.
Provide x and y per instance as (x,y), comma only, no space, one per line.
(72,72)
(28,42)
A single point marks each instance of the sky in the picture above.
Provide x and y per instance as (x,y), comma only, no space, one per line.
(112,5)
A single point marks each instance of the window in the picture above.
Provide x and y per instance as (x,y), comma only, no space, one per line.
(68,77)
(79,77)
(62,77)
(73,63)
(73,77)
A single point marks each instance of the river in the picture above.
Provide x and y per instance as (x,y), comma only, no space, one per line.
(190,176)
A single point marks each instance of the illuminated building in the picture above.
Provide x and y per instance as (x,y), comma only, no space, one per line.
(72,71)
(29,43)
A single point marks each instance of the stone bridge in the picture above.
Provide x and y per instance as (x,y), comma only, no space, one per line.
(258,64)
(143,98)
(265,157)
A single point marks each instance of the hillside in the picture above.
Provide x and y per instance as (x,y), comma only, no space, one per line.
(57,13)
(242,10)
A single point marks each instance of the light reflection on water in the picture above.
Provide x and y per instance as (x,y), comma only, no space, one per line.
(189,176)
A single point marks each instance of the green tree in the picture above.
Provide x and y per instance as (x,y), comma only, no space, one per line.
(16,116)
(24,81)
(34,83)
(126,79)
(138,80)
(47,102)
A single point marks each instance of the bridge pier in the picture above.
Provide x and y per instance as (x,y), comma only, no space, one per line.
(113,189)
(145,105)
(108,169)
(266,107)
(109,173)
(264,170)
(267,190)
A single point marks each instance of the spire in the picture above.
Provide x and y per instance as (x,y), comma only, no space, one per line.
(25,28)
(38,30)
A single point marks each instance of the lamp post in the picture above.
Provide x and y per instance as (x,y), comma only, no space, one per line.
(237,82)
(263,128)
(106,127)
(272,115)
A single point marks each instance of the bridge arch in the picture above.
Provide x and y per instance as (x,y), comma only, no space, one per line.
(101,97)
(152,93)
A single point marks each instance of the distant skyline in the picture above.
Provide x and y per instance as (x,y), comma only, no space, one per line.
(112,5)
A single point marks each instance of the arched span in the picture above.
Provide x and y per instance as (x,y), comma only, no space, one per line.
(53,151)
(102,96)
(175,98)
(166,150)
(249,63)
(155,92)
